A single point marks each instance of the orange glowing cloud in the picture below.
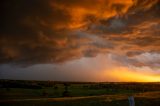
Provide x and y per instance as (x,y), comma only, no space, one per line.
(84,12)
(100,9)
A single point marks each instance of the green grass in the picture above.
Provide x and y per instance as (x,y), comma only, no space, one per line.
(74,90)
(79,96)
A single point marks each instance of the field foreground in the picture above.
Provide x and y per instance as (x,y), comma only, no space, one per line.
(141,99)
(51,93)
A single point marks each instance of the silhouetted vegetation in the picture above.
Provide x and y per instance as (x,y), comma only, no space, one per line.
(142,87)
(66,92)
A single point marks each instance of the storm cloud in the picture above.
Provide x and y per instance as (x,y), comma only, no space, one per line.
(56,31)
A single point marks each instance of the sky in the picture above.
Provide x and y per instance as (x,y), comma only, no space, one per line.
(80,40)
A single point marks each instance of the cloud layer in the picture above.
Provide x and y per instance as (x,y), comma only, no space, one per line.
(55,31)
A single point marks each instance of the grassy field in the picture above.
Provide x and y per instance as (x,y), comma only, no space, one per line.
(78,94)
(141,99)
(74,90)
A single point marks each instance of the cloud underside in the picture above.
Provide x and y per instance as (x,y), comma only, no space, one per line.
(55,31)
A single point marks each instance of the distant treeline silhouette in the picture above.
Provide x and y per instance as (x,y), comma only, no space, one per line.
(126,86)
(31,84)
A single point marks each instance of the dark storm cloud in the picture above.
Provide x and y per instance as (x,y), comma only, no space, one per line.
(46,31)
(29,31)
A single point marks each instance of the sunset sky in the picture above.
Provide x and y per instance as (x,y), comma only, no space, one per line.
(80,40)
